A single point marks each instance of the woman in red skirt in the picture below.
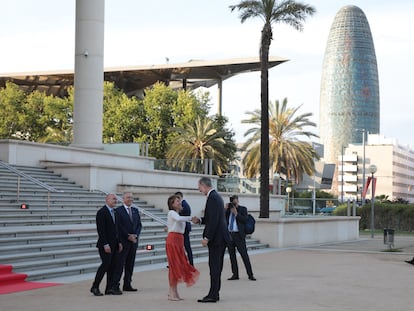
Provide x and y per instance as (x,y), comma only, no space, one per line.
(180,269)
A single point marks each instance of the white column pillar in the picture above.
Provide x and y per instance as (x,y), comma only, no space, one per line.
(89,74)
(220,97)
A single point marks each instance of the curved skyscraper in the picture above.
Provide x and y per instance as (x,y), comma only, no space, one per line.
(349,98)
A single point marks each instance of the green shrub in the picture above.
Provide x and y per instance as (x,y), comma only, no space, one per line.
(399,217)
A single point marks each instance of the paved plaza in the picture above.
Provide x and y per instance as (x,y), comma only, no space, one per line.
(358,275)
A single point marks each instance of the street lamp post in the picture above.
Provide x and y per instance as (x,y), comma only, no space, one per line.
(288,190)
(372,170)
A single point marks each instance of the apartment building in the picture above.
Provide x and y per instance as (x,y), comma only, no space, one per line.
(394,169)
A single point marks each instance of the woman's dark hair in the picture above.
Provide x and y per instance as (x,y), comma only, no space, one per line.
(171,200)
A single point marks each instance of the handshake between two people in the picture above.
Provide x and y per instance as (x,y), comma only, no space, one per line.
(195,220)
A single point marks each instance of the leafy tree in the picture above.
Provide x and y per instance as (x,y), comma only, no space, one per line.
(11,107)
(123,117)
(202,140)
(152,119)
(48,118)
(287,153)
(270,11)
(166,109)
(34,117)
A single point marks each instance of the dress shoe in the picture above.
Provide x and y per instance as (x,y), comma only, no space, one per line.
(252,278)
(96,291)
(410,261)
(129,289)
(113,291)
(207,299)
(233,277)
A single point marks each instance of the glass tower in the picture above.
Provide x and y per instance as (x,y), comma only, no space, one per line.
(349,98)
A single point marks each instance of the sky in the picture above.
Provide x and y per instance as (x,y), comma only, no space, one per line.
(39,35)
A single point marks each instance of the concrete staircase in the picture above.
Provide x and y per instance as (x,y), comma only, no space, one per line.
(56,235)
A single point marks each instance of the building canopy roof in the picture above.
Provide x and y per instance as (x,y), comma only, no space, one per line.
(133,79)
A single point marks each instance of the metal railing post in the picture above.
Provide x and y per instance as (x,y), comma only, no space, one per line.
(48,203)
(18,189)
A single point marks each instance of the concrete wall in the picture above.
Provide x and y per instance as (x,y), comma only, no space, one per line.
(119,179)
(289,232)
(18,152)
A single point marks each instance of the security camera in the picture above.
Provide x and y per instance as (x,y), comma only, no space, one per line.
(85,53)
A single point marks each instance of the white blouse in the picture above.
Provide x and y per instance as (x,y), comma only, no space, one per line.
(175,222)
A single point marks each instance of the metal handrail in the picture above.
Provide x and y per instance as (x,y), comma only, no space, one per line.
(141,210)
(32,179)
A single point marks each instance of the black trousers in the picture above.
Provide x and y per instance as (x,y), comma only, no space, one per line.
(108,264)
(239,242)
(187,246)
(215,263)
(126,262)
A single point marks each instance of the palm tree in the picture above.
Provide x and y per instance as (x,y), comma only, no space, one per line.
(204,139)
(270,11)
(288,154)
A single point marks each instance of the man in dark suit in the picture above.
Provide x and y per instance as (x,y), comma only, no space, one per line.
(129,228)
(186,211)
(236,216)
(215,236)
(108,244)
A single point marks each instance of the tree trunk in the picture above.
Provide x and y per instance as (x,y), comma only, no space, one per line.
(264,139)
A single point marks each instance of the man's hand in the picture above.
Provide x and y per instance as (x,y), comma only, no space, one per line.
(195,220)
(204,242)
(133,238)
(234,211)
(107,249)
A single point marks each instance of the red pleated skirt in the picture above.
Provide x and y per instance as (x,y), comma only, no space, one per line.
(180,269)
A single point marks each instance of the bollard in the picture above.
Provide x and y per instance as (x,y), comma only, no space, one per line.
(389,237)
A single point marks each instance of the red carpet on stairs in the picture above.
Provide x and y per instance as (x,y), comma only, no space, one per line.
(15,282)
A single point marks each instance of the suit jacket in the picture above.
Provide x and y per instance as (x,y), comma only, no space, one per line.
(241,219)
(125,225)
(215,229)
(186,211)
(107,229)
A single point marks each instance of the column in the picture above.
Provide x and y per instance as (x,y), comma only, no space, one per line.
(89,74)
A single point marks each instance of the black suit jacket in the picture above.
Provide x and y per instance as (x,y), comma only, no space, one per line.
(186,211)
(215,229)
(241,219)
(125,225)
(107,230)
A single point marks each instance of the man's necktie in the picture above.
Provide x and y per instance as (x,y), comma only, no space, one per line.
(130,212)
(231,221)
(112,215)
